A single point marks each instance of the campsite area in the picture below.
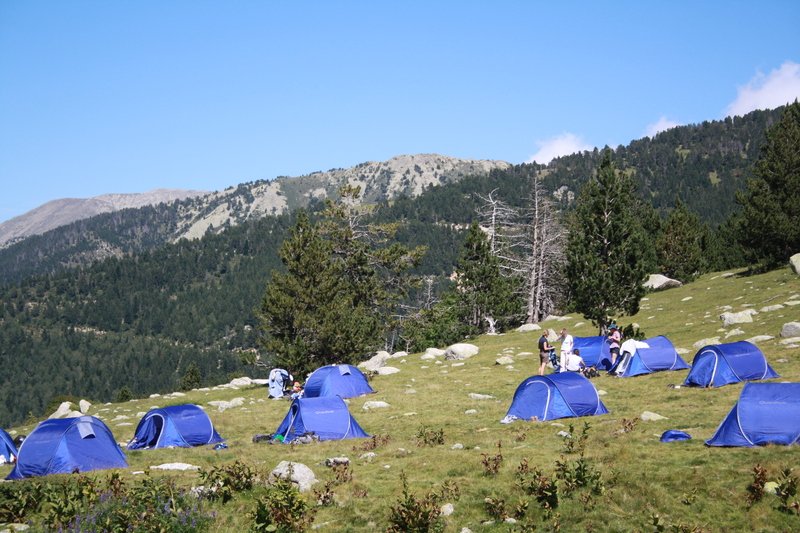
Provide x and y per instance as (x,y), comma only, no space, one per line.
(441,432)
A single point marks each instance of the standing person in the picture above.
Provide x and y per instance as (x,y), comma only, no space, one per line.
(567,344)
(544,352)
(614,340)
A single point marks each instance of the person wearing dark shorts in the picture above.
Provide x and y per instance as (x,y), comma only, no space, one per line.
(544,352)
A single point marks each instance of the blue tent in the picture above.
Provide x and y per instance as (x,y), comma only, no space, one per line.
(327,417)
(67,445)
(722,364)
(179,425)
(562,395)
(8,451)
(659,355)
(345,381)
(594,351)
(766,413)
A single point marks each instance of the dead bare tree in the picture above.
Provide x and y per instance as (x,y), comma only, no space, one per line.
(544,255)
(529,243)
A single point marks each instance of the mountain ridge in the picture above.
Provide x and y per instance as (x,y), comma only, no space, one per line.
(63,211)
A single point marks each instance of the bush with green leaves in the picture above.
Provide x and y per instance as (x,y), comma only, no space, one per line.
(412,514)
(282,509)
(222,482)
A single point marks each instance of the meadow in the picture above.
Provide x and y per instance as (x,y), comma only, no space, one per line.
(640,484)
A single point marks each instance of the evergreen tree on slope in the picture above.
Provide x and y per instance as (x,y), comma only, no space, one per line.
(606,246)
(769,225)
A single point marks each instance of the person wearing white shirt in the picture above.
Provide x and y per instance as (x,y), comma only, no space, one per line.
(573,362)
(567,344)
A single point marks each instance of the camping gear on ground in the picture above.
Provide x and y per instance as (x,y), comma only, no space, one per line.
(594,351)
(68,445)
(278,382)
(766,413)
(325,417)
(345,381)
(8,450)
(563,395)
(644,357)
(178,425)
(721,364)
(674,435)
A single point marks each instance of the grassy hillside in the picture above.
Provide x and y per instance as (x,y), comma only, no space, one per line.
(687,484)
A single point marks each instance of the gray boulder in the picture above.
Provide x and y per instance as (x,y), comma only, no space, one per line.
(728,318)
(794,262)
(84,406)
(529,327)
(460,351)
(300,475)
(706,342)
(374,404)
(375,362)
(790,329)
(504,360)
(435,352)
(657,282)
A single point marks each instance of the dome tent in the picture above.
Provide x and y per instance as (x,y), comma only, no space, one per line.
(562,395)
(8,451)
(67,445)
(345,381)
(648,356)
(722,364)
(326,417)
(183,426)
(766,413)
(594,350)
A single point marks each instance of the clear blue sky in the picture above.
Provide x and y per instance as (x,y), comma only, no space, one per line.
(99,97)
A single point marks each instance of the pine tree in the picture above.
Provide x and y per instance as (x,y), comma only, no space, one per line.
(605,252)
(485,297)
(300,305)
(679,247)
(768,227)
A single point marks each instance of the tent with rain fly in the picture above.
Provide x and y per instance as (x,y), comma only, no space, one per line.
(562,395)
(8,451)
(326,417)
(183,426)
(68,445)
(766,413)
(345,381)
(650,355)
(594,351)
(721,364)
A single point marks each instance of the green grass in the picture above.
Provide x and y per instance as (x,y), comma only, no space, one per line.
(685,483)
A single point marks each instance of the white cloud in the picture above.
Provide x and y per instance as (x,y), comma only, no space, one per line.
(660,125)
(564,144)
(779,87)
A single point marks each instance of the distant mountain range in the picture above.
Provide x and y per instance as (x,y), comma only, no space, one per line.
(406,174)
(702,164)
(61,212)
